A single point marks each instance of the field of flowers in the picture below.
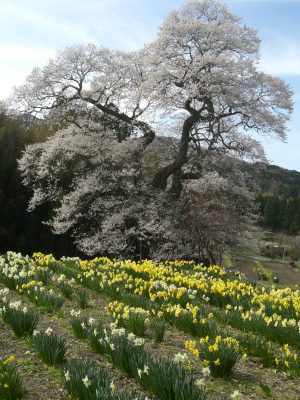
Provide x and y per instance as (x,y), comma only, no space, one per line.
(120,330)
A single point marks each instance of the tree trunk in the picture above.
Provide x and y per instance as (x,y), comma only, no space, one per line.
(161,177)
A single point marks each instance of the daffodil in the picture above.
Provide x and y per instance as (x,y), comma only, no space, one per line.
(87,383)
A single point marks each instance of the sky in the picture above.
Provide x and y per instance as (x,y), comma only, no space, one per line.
(32,31)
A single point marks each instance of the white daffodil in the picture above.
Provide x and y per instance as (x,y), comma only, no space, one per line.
(48,331)
(236,395)
(87,383)
(205,371)
(67,376)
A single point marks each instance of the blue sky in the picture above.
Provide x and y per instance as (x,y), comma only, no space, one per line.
(32,30)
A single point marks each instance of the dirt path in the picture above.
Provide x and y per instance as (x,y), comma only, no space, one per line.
(286,275)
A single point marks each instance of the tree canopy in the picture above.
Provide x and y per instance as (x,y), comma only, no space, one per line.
(19,230)
(198,82)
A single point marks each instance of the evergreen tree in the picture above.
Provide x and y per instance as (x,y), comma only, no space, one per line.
(20,230)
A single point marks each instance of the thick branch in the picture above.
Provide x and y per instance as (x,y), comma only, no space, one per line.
(149,133)
(160,178)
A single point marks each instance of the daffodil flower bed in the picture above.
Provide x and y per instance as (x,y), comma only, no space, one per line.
(22,321)
(190,319)
(164,378)
(274,328)
(80,326)
(85,380)
(172,291)
(220,354)
(43,298)
(51,347)
(289,360)
(131,318)
(116,282)
(11,387)
(16,270)
(65,286)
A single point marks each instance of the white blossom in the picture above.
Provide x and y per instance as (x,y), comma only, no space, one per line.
(116,184)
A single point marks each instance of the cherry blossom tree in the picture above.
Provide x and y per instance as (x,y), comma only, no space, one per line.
(219,214)
(198,82)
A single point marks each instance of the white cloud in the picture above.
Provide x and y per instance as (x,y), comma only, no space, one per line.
(284,59)
(261,1)
(42,21)
(12,53)
(114,23)
(17,62)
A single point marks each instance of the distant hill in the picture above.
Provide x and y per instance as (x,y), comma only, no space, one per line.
(269,179)
(278,196)
(274,180)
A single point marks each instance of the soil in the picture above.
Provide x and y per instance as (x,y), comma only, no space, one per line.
(285,274)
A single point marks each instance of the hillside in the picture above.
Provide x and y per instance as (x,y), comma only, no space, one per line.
(274,180)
